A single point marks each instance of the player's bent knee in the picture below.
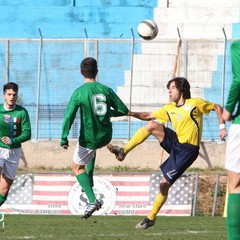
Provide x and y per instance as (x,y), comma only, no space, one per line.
(153,126)
(164,186)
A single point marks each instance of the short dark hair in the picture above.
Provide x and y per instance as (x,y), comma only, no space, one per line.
(10,85)
(89,68)
(182,85)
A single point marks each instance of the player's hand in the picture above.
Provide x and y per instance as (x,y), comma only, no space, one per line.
(7,140)
(64,144)
(223,134)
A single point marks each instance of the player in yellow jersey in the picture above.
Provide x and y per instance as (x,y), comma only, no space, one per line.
(182,144)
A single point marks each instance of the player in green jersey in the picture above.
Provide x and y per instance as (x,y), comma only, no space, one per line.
(182,144)
(97,104)
(15,128)
(232,162)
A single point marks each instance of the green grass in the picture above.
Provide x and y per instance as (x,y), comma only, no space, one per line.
(111,228)
(121,169)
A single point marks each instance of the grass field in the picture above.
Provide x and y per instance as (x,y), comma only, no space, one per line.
(111,227)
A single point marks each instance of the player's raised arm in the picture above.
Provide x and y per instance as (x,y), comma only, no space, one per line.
(145,116)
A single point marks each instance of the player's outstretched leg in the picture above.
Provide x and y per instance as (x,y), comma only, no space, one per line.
(145,223)
(119,152)
(91,208)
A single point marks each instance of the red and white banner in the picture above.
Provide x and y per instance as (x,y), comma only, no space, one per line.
(122,194)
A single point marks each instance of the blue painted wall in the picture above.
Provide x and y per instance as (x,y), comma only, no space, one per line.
(236,30)
(215,93)
(35,2)
(68,19)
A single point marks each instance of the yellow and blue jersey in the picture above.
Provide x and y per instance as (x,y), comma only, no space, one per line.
(187,119)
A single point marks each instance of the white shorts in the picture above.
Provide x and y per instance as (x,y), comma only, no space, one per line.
(83,156)
(9,160)
(232,161)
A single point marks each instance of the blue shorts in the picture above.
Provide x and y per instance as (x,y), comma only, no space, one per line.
(181,156)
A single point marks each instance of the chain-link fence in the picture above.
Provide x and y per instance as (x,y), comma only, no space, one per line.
(47,71)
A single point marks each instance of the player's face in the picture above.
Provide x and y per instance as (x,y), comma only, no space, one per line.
(174,94)
(10,98)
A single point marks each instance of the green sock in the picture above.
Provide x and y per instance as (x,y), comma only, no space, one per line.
(233,216)
(85,183)
(2,199)
(90,169)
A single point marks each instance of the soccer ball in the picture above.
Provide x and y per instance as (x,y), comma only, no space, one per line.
(147,29)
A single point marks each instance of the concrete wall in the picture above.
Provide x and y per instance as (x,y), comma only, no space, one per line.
(49,154)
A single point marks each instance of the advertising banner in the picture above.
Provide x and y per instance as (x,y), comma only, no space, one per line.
(121,193)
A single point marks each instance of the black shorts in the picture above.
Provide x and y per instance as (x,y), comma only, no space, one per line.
(181,156)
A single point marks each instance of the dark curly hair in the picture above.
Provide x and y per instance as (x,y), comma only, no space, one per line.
(182,85)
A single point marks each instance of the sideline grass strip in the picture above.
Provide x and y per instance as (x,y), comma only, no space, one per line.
(111,228)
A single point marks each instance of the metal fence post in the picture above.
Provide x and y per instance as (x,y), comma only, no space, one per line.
(130,94)
(96,53)
(7,60)
(216,193)
(185,55)
(195,196)
(224,66)
(86,53)
(38,85)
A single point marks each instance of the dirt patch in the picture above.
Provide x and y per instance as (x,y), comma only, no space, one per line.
(206,194)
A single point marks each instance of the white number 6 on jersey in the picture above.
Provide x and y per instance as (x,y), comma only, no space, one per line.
(99,104)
